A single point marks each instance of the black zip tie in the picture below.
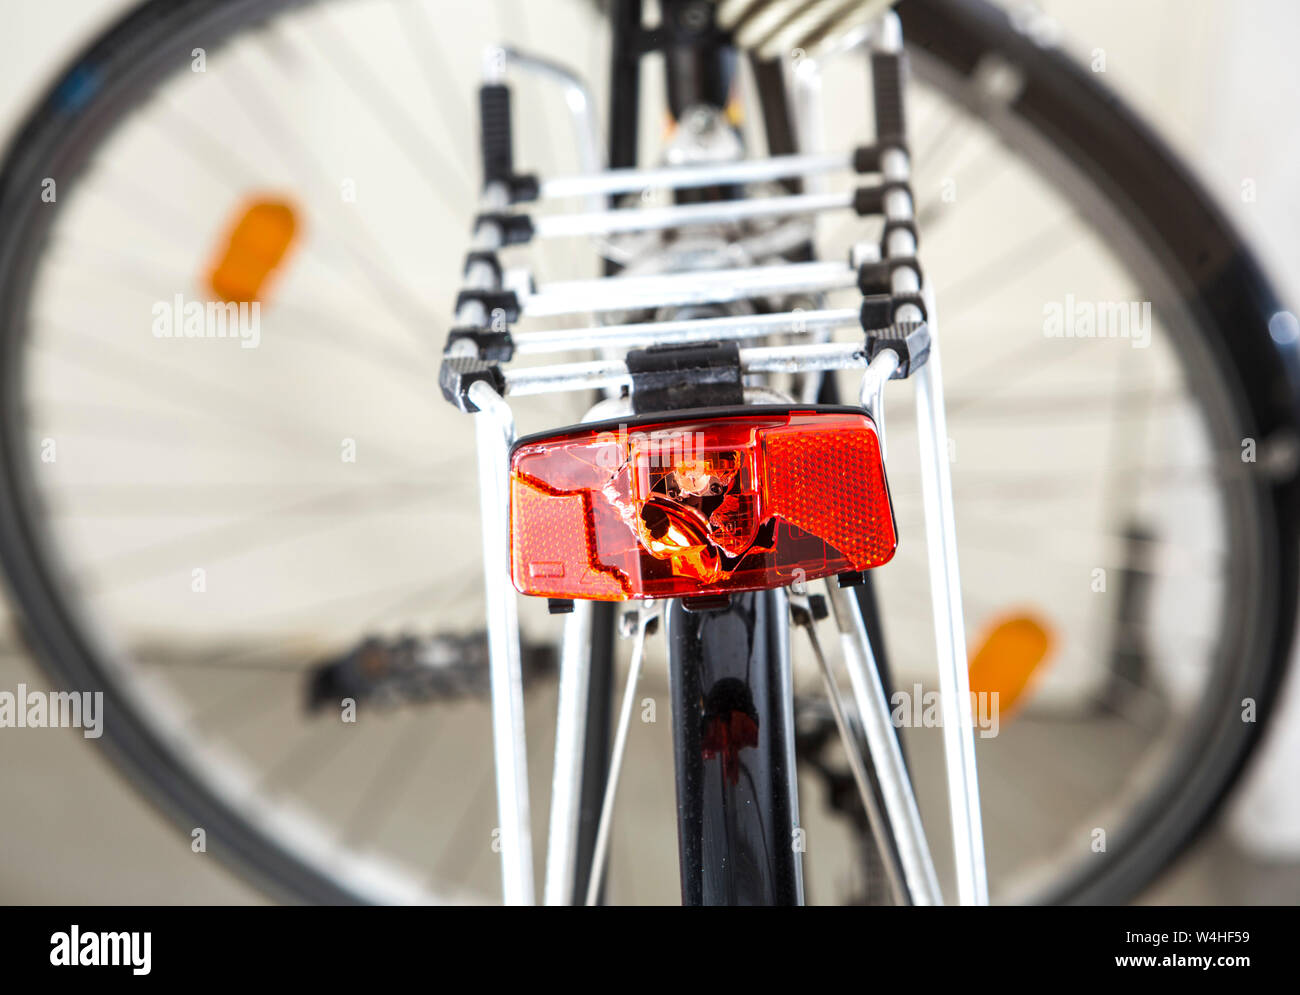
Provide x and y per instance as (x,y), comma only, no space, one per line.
(908,340)
(458,373)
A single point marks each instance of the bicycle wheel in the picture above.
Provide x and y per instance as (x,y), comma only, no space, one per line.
(264,65)
(1141,722)
(321,534)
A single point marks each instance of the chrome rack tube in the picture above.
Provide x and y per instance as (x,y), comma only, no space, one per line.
(949,626)
(577,97)
(481,275)
(647,613)
(678,216)
(571,730)
(616,181)
(902,819)
(875,762)
(802,358)
(743,326)
(494,428)
(940,529)
(625,293)
(613,373)
(570,751)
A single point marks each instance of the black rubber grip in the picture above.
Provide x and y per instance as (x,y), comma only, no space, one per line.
(887,71)
(496,137)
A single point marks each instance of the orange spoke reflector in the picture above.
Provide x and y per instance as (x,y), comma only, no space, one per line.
(1008,657)
(255,245)
(665,509)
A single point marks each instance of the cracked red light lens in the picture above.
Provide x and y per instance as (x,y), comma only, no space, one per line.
(698,506)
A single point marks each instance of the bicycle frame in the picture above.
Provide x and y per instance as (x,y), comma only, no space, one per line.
(697,660)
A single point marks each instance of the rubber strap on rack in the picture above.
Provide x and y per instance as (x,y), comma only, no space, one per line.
(887,74)
(496,137)
(667,378)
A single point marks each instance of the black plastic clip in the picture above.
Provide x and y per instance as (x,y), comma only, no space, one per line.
(459,373)
(559,606)
(910,341)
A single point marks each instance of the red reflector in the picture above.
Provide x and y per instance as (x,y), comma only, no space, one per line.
(671,508)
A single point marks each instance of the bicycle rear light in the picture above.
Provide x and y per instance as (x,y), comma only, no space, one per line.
(698,506)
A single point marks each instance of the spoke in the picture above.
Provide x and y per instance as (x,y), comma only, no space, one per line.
(409,594)
(314,751)
(1010,369)
(405,132)
(369,255)
(220,404)
(1011,265)
(466,832)
(422,39)
(239,706)
(397,770)
(973,180)
(230,539)
(237,176)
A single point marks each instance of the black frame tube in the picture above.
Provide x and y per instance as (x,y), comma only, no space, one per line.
(733,737)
